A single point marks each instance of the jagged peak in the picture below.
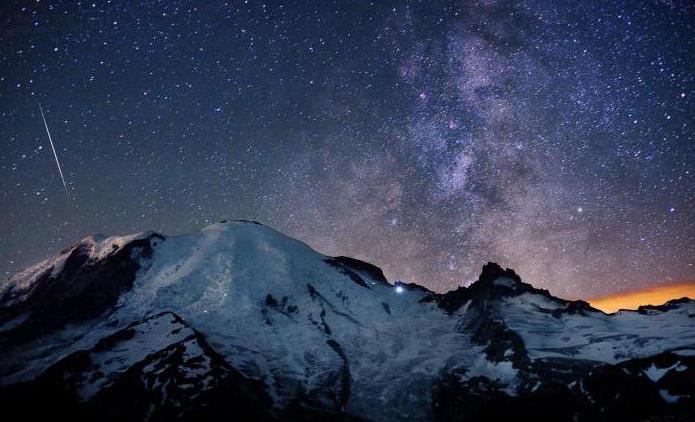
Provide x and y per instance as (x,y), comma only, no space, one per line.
(671,304)
(492,271)
(99,245)
(496,282)
(302,330)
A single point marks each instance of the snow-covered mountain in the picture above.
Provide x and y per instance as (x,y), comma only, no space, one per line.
(241,322)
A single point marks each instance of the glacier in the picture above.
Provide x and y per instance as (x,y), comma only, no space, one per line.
(242,310)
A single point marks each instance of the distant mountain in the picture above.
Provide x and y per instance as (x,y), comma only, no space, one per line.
(240,322)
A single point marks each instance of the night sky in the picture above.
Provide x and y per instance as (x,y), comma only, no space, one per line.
(554,137)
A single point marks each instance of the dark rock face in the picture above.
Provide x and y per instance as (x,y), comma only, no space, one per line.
(354,267)
(604,393)
(492,271)
(483,288)
(501,343)
(555,389)
(344,375)
(82,290)
(486,289)
(161,368)
(671,304)
(481,399)
(184,380)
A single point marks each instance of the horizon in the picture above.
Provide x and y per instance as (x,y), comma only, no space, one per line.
(554,137)
(610,303)
(391,149)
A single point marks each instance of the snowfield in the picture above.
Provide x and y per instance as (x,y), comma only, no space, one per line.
(327,333)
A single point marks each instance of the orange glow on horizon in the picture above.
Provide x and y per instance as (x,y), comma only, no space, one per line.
(653,296)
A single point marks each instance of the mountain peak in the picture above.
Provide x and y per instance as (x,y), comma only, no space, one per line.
(242,310)
(225,222)
(493,283)
(492,271)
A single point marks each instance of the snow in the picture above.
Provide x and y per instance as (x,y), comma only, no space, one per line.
(503,372)
(595,335)
(219,279)
(16,288)
(655,373)
(101,246)
(269,304)
(151,336)
(505,282)
(668,398)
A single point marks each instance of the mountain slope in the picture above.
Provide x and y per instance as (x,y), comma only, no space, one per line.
(178,324)
(155,369)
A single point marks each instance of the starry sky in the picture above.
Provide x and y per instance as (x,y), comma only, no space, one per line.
(552,136)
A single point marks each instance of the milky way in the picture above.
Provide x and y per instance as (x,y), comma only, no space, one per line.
(554,137)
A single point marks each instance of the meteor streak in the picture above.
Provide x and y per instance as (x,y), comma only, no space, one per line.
(50,140)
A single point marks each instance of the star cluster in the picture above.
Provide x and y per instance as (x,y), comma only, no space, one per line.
(554,137)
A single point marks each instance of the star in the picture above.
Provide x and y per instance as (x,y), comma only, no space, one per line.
(423,138)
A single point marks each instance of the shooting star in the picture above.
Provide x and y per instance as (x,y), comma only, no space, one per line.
(50,140)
